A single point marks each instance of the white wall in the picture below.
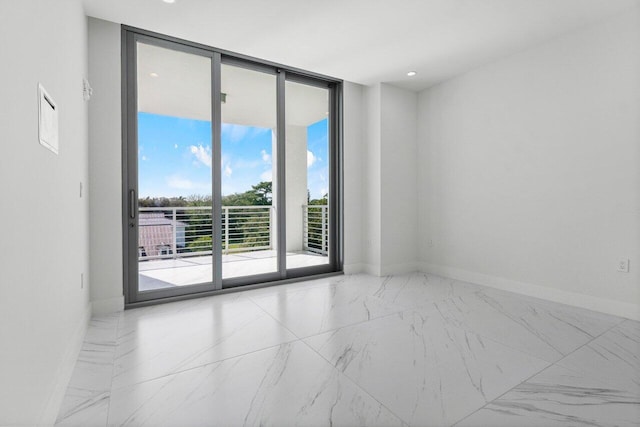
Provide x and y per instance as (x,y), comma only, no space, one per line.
(105,166)
(399,180)
(353,187)
(389,209)
(372,176)
(530,170)
(43,308)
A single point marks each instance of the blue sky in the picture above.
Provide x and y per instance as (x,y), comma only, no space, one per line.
(174,157)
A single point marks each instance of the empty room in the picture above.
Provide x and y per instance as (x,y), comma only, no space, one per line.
(320,213)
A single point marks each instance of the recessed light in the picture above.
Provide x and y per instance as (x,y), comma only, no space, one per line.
(411,73)
(153,74)
(169,1)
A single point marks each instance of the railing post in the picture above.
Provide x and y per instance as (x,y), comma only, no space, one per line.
(226,231)
(305,230)
(324,235)
(174,245)
(270,222)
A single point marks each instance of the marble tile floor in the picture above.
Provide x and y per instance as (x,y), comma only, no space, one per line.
(407,350)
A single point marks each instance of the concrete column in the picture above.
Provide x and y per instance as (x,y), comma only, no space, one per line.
(274,188)
(296,184)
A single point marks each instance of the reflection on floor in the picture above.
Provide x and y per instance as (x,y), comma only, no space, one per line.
(165,273)
(358,350)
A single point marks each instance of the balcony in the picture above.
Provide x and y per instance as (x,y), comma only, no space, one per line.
(175,245)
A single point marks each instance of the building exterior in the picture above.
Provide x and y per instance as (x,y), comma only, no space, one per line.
(158,235)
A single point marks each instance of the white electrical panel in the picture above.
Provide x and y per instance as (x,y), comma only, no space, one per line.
(47,120)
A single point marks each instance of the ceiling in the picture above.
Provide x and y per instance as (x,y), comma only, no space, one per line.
(365,41)
(178,84)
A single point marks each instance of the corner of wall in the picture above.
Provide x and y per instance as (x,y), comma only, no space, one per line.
(353,268)
(105,162)
(372,269)
(107,305)
(371,172)
(353,135)
(65,370)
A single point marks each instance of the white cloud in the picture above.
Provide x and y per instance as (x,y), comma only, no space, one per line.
(266,175)
(311,159)
(246,164)
(225,164)
(266,157)
(177,182)
(144,158)
(237,133)
(203,154)
(175,145)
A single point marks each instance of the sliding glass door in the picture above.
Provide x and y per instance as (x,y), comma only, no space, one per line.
(308,177)
(230,170)
(249,218)
(169,171)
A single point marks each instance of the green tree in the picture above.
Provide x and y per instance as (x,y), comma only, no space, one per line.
(200,244)
(159,202)
(323,201)
(198,200)
(259,195)
(263,193)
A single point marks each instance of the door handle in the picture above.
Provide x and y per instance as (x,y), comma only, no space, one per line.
(132,204)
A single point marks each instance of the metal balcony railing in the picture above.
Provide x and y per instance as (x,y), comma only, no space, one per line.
(315,228)
(176,232)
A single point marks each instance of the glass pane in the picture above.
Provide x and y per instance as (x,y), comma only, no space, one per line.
(174,168)
(249,243)
(307,175)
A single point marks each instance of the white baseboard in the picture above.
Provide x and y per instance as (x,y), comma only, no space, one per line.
(615,308)
(372,269)
(407,267)
(108,305)
(353,268)
(377,270)
(65,370)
